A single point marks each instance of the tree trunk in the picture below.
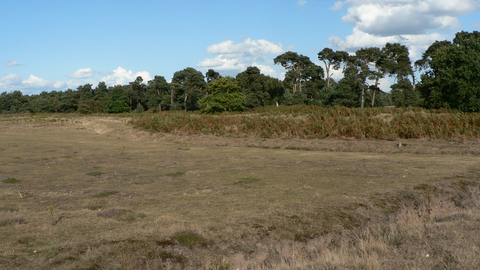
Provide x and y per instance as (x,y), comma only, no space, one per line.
(374,92)
(327,67)
(186,96)
(363,96)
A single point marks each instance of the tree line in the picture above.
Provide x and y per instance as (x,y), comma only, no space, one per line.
(446,76)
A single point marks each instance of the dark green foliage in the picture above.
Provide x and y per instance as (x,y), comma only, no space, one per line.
(331,60)
(452,77)
(158,94)
(189,86)
(118,102)
(253,87)
(212,75)
(295,64)
(403,94)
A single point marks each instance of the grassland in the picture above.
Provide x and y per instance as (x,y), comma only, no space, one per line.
(96,193)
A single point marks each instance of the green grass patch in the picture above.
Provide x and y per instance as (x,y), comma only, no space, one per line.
(189,238)
(105,193)
(248,180)
(121,215)
(11,181)
(95,173)
(173,174)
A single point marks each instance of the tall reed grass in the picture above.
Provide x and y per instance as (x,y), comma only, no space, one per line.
(315,122)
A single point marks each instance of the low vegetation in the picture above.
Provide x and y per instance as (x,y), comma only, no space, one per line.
(315,122)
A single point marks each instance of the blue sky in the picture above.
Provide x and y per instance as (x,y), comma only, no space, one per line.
(55,45)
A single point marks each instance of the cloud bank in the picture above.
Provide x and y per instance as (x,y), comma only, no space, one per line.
(34,84)
(414,23)
(233,58)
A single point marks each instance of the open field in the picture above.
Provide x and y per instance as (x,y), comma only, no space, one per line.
(95,193)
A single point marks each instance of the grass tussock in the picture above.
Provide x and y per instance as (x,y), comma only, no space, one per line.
(314,122)
(11,180)
(120,215)
(105,193)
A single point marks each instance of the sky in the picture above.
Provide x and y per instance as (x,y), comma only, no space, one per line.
(55,45)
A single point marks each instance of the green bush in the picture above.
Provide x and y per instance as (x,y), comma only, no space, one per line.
(223,95)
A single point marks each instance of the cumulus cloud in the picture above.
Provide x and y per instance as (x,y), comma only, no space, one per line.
(302,3)
(13,63)
(414,23)
(83,73)
(35,84)
(232,57)
(338,5)
(267,70)
(122,76)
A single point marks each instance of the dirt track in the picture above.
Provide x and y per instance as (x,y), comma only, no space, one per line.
(119,128)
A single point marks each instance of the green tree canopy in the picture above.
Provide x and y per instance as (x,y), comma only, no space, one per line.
(223,94)
(452,77)
(252,83)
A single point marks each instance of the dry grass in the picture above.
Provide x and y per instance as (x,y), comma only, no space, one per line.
(312,122)
(224,205)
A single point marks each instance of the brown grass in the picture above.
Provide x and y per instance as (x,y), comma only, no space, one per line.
(313,122)
(230,203)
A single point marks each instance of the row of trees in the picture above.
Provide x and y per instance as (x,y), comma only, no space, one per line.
(449,78)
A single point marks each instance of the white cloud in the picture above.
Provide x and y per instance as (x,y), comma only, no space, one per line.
(122,76)
(359,39)
(8,82)
(13,63)
(231,57)
(36,82)
(267,70)
(83,73)
(401,19)
(33,84)
(302,3)
(338,5)
(414,23)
